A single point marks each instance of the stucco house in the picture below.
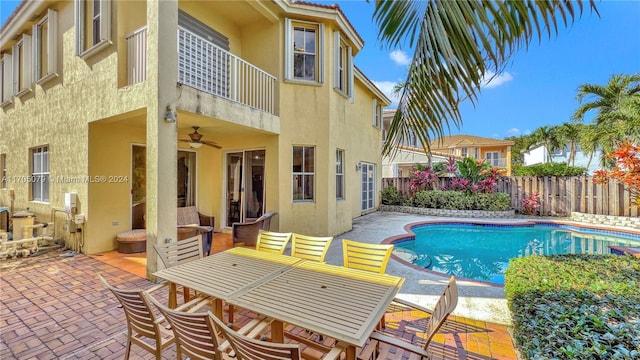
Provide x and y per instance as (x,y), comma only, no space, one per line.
(236,107)
(537,154)
(410,152)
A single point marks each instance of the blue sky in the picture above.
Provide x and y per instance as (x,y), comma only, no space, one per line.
(538,87)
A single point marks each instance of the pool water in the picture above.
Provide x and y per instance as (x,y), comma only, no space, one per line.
(482,252)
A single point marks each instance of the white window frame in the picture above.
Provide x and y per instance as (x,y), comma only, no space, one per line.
(476,153)
(49,45)
(302,173)
(22,80)
(290,25)
(376,121)
(41,176)
(339,174)
(104,16)
(343,60)
(3,170)
(464,152)
(490,159)
(367,186)
(6,77)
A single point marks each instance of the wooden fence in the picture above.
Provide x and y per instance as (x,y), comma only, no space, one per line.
(558,195)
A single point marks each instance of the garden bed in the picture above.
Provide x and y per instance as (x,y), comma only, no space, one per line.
(575,306)
(507,214)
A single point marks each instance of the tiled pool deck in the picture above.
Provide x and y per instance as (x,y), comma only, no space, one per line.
(54,308)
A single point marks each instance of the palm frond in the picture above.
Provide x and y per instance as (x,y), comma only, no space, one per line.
(456,44)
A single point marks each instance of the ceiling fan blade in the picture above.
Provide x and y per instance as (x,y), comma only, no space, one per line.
(211,143)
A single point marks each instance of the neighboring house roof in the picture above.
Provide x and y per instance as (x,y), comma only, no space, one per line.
(467,140)
(371,86)
(433,153)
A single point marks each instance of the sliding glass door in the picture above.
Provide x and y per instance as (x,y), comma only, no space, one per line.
(245,185)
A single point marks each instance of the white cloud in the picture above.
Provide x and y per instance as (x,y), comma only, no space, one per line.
(490,79)
(400,57)
(387,88)
(513,132)
(527,132)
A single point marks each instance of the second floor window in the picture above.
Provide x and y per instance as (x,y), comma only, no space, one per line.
(22,66)
(464,152)
(6,79)
(377,114)
(493,158)
(93,26)
(44,33)
(303,42)
(303,173)
(343,60)
(40,174)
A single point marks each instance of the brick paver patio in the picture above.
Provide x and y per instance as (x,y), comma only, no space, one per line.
(53,307)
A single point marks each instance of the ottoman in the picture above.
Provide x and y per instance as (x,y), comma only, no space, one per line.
(133,241)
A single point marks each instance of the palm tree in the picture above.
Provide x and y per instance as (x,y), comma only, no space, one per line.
(570,133)
(458,44)
(616,106)
(548,136)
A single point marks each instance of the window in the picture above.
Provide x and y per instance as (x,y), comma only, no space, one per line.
(303,46)
(40,174)
(340,174)
(493,158)
(22,66)
(3,167)
(464,152)
(377,114)
(44,33)
(343,73)
(476,153)
(303,173)
(6,90)
(93,26)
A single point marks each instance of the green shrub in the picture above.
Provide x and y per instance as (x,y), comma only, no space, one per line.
(550,169)
(575,306)
(391,196)
(457,200)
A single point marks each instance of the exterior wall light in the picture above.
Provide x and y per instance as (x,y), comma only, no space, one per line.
(170,115)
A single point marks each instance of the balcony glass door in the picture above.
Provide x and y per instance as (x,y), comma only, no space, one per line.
(245,185)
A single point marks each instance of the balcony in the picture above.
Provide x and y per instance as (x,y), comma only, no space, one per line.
(208,68)
(499,162)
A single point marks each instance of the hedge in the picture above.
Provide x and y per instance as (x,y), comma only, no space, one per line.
(575,306)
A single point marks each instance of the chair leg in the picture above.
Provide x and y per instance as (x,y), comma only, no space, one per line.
(128,349)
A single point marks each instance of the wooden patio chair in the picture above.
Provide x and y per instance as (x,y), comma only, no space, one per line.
(247,233)
(363,256)
(141,321)
(247,348)
(180,252)
(273,242)
(195,333)
(380,344)
(310,247)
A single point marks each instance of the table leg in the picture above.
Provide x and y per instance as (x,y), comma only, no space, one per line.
(277,331)
(173,297)
(218,309)
(350,352)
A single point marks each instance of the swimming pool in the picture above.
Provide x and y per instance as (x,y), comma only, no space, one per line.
(482,251)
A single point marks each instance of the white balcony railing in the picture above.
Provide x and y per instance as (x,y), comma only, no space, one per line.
(136,56)
(499,162)
(209,68)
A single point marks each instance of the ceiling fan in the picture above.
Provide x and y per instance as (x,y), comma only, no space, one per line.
(195,140)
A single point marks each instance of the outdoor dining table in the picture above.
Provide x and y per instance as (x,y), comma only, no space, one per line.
(345,304)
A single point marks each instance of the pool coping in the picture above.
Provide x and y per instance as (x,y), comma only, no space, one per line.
(409,234)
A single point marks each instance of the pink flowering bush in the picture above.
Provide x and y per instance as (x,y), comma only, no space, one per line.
(422,179)
(531,204)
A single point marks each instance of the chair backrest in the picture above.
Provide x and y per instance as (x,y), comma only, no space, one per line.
(140,317)
(363,256)
(195,333)
(247,348)
(266,220)
(273,242)
(179,252)
(445,305)
(310,247)
(188,215)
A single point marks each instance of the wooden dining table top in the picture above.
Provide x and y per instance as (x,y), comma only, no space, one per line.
(345,304)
